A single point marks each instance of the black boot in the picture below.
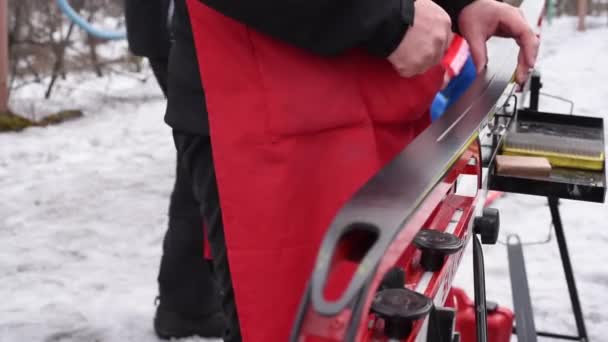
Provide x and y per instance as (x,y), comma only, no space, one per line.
(189,301)
(170,324)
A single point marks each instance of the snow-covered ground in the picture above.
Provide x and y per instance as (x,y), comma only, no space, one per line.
(83,209)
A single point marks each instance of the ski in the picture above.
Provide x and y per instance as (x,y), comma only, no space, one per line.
(391,208)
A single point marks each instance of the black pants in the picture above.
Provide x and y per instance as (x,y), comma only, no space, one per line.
(194,156)
(185,280)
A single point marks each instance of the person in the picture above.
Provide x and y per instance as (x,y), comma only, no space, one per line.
(305,100)
(148,35)
(188,297)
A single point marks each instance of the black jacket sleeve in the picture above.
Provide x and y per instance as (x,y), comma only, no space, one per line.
(147,27)
(453,8)
(326,27)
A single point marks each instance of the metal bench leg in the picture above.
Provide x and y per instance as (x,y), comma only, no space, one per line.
(565,256)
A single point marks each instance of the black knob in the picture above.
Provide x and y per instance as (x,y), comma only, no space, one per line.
(487,226)
(435,246)
(399,308)
(393,279)
(441,325)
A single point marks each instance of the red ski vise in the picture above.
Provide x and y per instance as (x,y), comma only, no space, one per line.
(375,280)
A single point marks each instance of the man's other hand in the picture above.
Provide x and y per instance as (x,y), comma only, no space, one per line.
(483,19)
(425,42)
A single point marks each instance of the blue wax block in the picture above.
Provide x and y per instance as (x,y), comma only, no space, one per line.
(459,84)
(438,107)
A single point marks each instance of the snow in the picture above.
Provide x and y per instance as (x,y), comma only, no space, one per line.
(82,217)
(83,208)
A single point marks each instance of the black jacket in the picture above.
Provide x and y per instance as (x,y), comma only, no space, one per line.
(326,27)
(186,109)
(330,27)
(147,24)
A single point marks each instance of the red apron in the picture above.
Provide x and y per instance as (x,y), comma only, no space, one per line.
(293,136)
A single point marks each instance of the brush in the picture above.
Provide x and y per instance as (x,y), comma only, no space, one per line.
(561,150)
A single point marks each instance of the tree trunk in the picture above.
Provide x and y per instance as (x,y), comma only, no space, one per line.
(93,54)
(581,9)
(58,66)
(93,42)
(3,56)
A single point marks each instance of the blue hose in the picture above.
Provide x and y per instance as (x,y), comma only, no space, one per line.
(85,25)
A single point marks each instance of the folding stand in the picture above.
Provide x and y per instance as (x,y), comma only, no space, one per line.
(535,85)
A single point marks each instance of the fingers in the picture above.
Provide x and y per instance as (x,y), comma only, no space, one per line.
(483,19)
(417,68)
(450,36)
(514,25)
(448,42)
(529,44)
(424,44)
(477,45)
(442,45)
(523,69)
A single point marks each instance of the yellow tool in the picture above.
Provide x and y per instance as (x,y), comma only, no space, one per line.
(561,151)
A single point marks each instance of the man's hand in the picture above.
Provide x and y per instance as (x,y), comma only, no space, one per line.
(425,42)
(483,19)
